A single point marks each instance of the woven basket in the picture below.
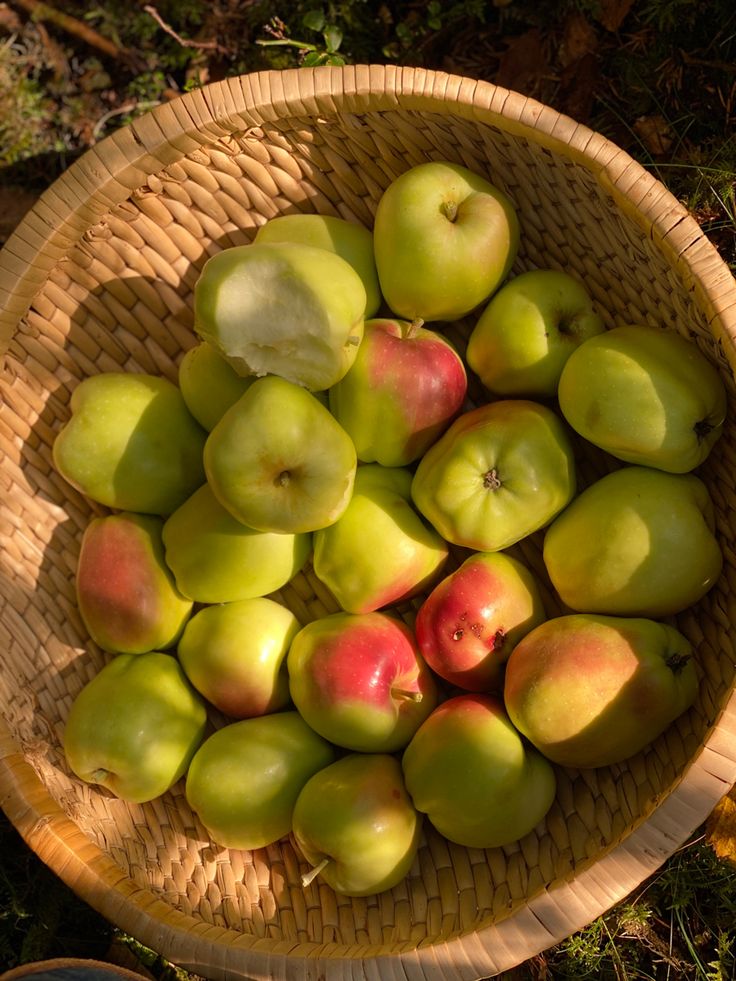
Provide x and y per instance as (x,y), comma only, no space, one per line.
(99,277)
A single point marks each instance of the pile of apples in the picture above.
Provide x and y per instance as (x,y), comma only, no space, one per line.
(319,419)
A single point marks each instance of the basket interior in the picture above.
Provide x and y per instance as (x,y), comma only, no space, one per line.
(121,298)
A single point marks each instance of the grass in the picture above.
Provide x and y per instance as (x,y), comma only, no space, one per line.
(655,76)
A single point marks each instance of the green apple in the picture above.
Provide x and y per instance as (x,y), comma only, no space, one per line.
(637,542)
(405,387)
(135,726)
(499,473)
(279,461)
(217,559)
(282,308)
(209,384)
(126,594)
(405,556)
(235,655)
(244,779)
(359,680)
(356,825)
(591,690)
(645,395)
(444,239)
(351,241)
(523,338)
(468,769)
(131,443)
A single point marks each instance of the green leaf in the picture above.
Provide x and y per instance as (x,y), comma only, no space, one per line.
(333,38)
(314,58)
(314,20)
(335,60)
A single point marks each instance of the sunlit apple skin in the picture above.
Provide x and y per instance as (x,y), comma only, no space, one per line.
(209,384)
(360,681)
(126,594)
(351,241)
(235,655)
(131,443)
(405,387)
(591,690)
(472,620)
(636,542)
(135,726)
(468,769)
(645,395)
(500,472)
(444,238)
(244,779)
(356,817)
(380,551)
(282,308)
(279,461)
(530,327)
(217,559)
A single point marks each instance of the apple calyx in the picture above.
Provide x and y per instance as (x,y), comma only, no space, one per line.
(676,662)
(491,480)
(702,429)
(99,776)
(309,877)
(283,479)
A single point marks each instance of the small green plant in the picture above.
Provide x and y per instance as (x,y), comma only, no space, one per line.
(324,52)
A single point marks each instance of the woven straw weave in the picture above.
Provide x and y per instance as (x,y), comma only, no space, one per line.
(99,277)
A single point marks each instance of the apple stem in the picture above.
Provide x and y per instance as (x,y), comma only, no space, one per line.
(414,696)
(310,876)
(413,327)
(449,210)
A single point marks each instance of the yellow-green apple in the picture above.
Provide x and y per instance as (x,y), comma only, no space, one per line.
(405,387)
(530,327)
(359,680)
(131,443)
(636,542)
(235,655)
(356,825)
(245,778)
(645,395)
(470,622)
(135,726)
(468,769)
(126,594)
(444,239)
(500,472)
(351,241)
(209,384)
(282,308)
(279,461)
(217,559)
(405,554)
(590,690)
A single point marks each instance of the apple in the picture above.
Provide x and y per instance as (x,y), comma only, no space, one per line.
(530,327)
(359,680)
(405,554)
(279,461)
(636,542)
(126,594)
(130,443)
(217,559)
(444,239)
(282,308)
(244,779)
(471,621)
(470,772)
(645,395)
(209,384)
(351,241)
(356,825)
(405,387)
(235,655)
(135,726)
(500,472)
(590,690)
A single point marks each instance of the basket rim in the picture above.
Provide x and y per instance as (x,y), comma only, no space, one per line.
(105,176)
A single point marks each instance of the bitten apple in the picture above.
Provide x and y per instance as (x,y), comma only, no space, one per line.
(380,551)
(360,681)
(591,691)
(471,621)
(405,387)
